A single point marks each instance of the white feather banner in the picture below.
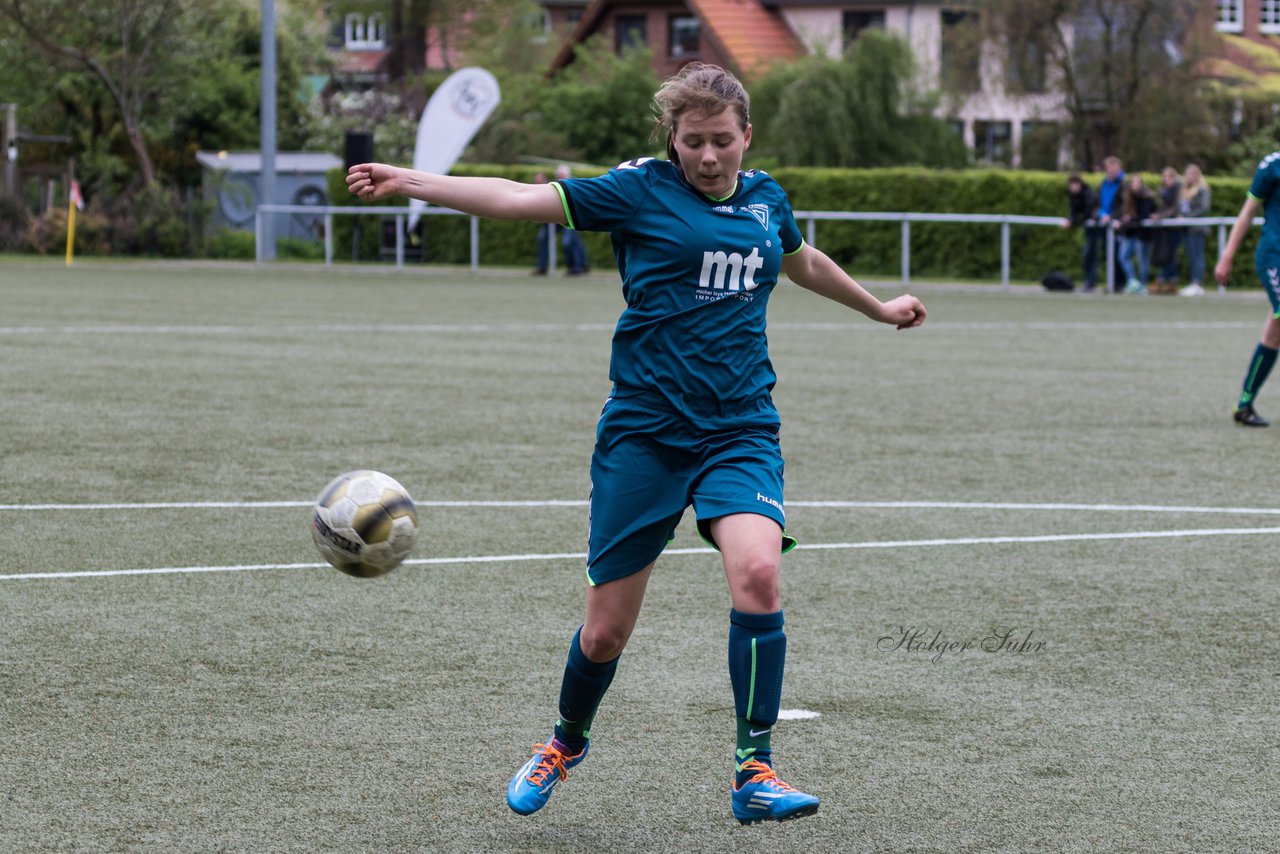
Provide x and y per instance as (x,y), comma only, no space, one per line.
(450,121)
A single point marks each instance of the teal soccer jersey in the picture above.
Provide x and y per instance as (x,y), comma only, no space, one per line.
(1266,189)
(1266,183)
(696,275)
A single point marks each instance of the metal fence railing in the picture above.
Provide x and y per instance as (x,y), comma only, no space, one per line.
(810,218)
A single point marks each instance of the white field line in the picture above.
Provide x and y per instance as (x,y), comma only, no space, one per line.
(472,328)
(873,544)
(835,505)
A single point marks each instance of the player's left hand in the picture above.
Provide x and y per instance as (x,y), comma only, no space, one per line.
(904,312)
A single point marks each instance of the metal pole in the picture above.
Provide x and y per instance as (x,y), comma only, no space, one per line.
(1004,255)
(267,116)
(906,250)
(809,233)
(399,241)
(328,240)
(9,147)
(257,236)
(475,243)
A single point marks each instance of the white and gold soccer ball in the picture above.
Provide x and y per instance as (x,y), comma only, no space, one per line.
(364,523)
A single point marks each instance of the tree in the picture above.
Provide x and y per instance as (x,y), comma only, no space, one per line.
(120,42)
(857,111)
(1124,69)
(146,91)
(598,109)
(602,103)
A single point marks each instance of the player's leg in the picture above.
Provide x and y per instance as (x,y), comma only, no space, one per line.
(638,495)
(1260,365)
(751,546)
(739,505)
(612,610)
(1264,355)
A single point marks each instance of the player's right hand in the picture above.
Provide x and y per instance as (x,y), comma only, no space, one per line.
(1222,270)
(371,181)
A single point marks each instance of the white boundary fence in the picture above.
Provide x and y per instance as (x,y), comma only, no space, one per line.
(810,218)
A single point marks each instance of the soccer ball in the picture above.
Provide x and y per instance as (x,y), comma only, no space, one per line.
(364,523)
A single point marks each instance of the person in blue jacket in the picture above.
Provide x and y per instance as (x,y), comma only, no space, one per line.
(1108,209)
(699,245)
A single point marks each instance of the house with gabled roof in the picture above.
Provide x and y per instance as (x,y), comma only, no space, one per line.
(743,35)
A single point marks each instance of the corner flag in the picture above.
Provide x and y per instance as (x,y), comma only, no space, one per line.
(75,202)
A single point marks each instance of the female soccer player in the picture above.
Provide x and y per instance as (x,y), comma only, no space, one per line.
(690,420)
(1264,195)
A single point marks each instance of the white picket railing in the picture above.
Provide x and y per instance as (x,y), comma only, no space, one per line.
(810,218)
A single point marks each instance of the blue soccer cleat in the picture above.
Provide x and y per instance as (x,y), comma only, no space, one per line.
(766,798)
(532,785)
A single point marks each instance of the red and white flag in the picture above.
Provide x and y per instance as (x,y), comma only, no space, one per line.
(76,198)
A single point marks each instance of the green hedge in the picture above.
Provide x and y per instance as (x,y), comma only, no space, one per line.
(954,250)
(447,239)
(938,250)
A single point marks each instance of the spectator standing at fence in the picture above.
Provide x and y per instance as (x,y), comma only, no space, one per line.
(1264,195)
(1165,241)
(1137,203)
(1079,202)
(1108,203)
(1080,208)
(1194,201)
(575,251)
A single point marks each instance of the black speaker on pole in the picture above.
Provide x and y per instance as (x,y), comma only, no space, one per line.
(357,148)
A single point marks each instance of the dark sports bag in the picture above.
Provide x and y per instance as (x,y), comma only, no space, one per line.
(1056,280)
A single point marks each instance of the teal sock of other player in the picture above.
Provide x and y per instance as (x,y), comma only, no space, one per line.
(757,654)
(1264,359)
(583,687)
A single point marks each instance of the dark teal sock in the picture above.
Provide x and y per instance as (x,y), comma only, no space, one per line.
(1264,359)
(757,653)
(583,687)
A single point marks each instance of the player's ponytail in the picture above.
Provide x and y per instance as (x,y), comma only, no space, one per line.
(708,89)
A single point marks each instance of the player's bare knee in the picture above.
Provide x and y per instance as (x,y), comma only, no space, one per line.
(603,642)
(756,582)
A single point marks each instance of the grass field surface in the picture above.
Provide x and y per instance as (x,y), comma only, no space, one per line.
(180,673)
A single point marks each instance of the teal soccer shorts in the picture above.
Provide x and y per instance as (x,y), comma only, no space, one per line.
(650,464)
(1268,266)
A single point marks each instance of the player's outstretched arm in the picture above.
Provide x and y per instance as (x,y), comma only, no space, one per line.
(1222,270)
(492,198)
(813,270)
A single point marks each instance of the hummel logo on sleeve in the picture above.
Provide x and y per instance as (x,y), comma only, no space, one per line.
(634,164)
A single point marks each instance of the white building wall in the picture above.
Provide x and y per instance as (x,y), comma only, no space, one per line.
(920,24)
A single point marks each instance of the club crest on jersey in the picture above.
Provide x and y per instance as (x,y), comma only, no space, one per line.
(760,212)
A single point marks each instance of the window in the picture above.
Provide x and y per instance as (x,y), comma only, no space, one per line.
(1270,16)
(539,23)
(365,33)
(961,50)
(1230,16)
(682,36)
(1024,72)
(1041,142)
(992,142)
(630,31)
(853,23)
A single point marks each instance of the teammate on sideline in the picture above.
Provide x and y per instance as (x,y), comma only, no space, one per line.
(1264,194)
(690,420)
